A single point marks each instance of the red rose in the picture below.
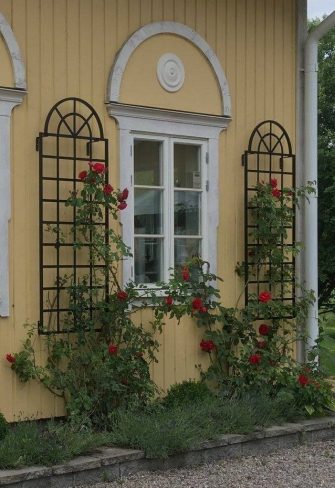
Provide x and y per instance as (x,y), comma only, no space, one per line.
(276,193)
(303,380)
(108,189)
(10,358)
(112,349)
(197,303)
(185,273)
(97,167)
(122,295)
(203,310)
(169,301)
(264,296)
(261,344)
(255,359)
(82,175)
(122,205)
(207,346)
(264,329)
(123,195)
(273,182)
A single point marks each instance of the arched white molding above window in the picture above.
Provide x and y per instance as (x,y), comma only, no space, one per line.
(156,28)
(15,54)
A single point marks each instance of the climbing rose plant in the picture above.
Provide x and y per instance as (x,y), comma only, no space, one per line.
(244,351)
(102,360)
(105,364)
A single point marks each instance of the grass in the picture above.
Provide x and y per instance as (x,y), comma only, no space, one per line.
(327,345)
(183,420)
(28,443)
(166,431)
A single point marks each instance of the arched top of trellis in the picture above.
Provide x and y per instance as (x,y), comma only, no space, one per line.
(270,137)
(73,117)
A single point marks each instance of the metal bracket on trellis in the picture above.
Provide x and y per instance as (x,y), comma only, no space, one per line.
(72,137)
(269,155)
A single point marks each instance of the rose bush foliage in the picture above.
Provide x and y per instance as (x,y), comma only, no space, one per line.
(105,364)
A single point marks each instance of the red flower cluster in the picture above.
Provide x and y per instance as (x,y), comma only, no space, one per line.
(113,349)
(303,380)
(10,358)
(122,295)
(264,296)
(197,304)
(185,274)
(273,182)
(169,301)
(108,189)
(255,359)
(276,193)
(122,197)
(264,329)
(82,175)
(98,168)
(207,346)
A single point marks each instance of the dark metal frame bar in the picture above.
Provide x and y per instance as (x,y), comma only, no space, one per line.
(71,126)
(268,142)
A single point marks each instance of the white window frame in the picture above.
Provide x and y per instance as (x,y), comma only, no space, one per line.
(136,121)
(168,188)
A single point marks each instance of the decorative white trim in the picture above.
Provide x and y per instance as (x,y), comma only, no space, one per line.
(9,98)
(174,122)
(15,54)
(156,28)
(170,72)
(159,122)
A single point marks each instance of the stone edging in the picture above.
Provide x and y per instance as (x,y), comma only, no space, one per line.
(106,464)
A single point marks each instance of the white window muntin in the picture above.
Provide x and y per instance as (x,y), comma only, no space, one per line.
(168,187)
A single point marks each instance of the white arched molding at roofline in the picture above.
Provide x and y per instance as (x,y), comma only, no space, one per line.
(9,98)
(156,28)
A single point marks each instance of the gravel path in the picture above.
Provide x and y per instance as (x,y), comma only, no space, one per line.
(311,466)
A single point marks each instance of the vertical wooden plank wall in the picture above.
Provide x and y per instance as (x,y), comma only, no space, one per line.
(68,47)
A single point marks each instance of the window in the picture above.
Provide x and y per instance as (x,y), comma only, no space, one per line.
(169,160)
(169,205)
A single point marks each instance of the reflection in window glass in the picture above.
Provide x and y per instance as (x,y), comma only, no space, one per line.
(186,249)
(147,163)
(187,213)
(148,211)
(148,260)
(187,166)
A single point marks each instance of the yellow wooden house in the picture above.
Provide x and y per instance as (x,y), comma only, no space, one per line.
(184,81)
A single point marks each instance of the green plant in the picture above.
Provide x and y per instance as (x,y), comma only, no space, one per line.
(188,392)
(175,428)
(28,443)
(247,352)
(101,362)
(3,427)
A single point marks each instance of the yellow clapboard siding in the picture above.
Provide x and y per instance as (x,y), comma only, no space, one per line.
(68,47)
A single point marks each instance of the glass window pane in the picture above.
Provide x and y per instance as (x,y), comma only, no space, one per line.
(148,211)
(187,166)
(147,163)
(187,213)
(148,260)
(186,249)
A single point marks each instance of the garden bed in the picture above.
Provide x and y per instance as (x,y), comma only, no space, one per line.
(104,464)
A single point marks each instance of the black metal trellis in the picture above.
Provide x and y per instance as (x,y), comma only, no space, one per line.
(269,155)
(72,137)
